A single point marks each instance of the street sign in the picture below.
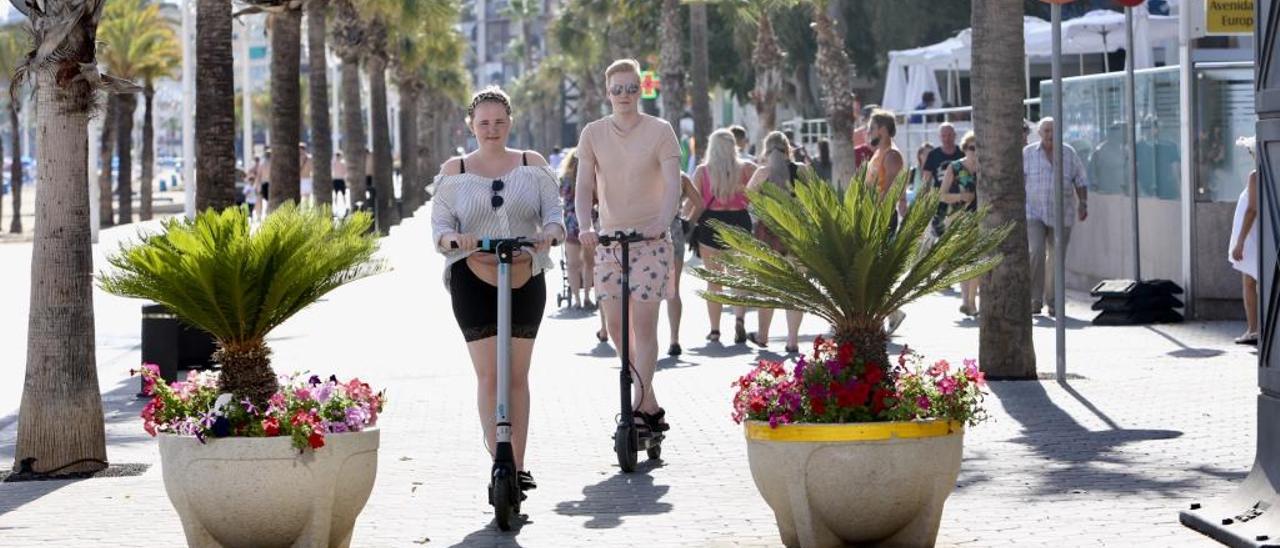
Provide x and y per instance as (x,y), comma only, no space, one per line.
(649,85)
(1130,3)
(1228,17)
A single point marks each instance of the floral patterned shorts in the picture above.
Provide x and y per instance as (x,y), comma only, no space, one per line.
(650,271)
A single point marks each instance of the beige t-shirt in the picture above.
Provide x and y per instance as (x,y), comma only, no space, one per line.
(628,169)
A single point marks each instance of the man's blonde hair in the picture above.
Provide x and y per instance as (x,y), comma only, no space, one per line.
(622,65)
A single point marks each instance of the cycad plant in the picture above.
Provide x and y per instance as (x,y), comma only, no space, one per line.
(238,284)
(844,264)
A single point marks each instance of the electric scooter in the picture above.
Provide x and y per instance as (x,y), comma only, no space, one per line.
(627,440)
(504,482)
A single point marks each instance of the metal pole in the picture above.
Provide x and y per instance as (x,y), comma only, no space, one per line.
(1131,136)
(1059,253)
(1026,74)
(246,94)
(1106,53)
(95,148)
(1188,146)
(188,113)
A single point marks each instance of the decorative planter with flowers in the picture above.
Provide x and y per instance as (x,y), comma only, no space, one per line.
(249,458)
(846,448)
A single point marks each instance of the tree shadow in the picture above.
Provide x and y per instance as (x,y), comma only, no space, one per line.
(609,502)
(1053,434)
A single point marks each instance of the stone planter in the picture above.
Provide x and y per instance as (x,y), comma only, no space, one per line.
(261,492)
(877,484)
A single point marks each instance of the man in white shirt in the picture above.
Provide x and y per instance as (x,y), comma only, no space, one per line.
(1037,171)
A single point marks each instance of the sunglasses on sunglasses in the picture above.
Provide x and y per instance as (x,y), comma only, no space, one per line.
(630,89)
(496,200)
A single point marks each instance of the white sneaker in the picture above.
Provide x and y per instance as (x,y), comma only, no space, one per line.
(895,320)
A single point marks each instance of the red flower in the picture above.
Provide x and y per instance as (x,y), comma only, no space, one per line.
(315,440)
(873,374)
(877,400)
(756,403)
(845,354)
(271,426)
(300,418)
(853,394)
(819,406)
(817,343)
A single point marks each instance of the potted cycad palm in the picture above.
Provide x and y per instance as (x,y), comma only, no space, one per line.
(845,447)
(249,458)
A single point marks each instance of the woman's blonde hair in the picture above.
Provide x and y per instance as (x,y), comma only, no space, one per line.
(722,165)
(777,156)
(569,164)
(969,138)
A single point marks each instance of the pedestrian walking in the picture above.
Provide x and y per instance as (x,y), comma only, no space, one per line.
(579,263)
(821,165)
(1037,170)
(1244,248)
(882,171)
(631,162)
(264,175)
(779,170)
(497,192)
(743,142)
(960,193)
(251,187)
(306,186)
(681,228)
(340,180)
(922,155)
(722,180)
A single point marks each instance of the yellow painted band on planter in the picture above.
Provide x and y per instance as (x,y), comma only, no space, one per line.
(868,431)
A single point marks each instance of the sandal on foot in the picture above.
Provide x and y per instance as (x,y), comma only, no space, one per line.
(739,331)
(793,349)
(674,350)
(526,481)
(1247,338)
(655,421)
(602,336)
(755,339)
(714,335)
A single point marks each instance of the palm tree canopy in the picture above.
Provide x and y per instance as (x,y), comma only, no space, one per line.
(236,283)
(844,265)
(139,42)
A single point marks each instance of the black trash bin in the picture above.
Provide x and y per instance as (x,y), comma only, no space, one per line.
(172,345)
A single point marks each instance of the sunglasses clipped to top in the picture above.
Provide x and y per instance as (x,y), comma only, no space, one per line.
(630,89)
(496,200)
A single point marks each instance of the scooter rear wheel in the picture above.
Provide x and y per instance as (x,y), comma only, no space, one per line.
(624,444)
(504,493)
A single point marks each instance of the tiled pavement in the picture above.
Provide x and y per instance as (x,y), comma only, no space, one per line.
(1161,416)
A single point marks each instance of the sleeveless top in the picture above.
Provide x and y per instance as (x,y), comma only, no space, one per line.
(463,204)
(737,202)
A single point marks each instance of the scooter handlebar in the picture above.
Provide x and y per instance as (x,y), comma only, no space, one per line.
(621,237)
(491,245)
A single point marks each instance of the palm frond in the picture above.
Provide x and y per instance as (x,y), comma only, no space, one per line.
(236,283)
(844,264)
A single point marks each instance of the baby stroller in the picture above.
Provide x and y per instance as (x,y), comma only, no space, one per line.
(563,298)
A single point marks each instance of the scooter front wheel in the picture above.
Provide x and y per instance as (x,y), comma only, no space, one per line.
(624,444)
(655,452)
(504,493)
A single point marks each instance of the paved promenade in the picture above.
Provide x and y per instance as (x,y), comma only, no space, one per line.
(1151,419)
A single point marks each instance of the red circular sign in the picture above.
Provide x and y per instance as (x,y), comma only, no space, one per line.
(1130,3)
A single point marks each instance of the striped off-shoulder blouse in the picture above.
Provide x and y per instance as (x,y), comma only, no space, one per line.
(463,203)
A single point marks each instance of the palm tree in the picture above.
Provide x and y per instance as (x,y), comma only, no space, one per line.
(1005,349)
(844,265)
(60,428)
(215,107)
(165,67)
(13,48)
(239,284)
(318,78)
(522,14)
(767,59)
(376,67)
(701,86)
(348,43)
(137,38)
(578,32)
(105,151)
(423,31)
(671,59)
(833,71)
(285,22)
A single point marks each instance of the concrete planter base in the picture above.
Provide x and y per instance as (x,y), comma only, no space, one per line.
(261,493)
(874,484)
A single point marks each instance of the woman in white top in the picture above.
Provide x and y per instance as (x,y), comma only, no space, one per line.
(497,192)
(1244,248)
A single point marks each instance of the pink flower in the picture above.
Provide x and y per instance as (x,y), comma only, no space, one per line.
(302,394)
(972,373)
(947,385)
(922,402)
(941,367)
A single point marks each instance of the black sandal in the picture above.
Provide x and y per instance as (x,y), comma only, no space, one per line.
(755,339)
(739,331)
(602,336)
(654,421)
(714,335)
(526,481)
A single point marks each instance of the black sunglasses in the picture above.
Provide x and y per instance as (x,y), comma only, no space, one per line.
(619,89)
(496,201)
(971,147)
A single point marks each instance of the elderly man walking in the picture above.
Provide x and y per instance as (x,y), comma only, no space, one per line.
(1037,169)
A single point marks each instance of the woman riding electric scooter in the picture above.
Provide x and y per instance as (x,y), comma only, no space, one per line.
(496,192)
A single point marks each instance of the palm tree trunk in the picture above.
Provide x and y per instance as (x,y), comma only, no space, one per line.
(870,344)
(105,215)
(767,59)
(353,138)
(590,99)
(382,173)
(148,152)
(215,107)
(321,128)
(410,177)
(60,419)
(286,107)
(1005,348)
(426,146)
(833,69)
(15,169)
(672,59)
(701,88)
(246,372)
(124,148)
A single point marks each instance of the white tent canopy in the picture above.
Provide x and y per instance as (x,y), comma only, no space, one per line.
(911,72)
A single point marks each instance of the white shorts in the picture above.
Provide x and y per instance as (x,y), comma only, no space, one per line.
(307,187)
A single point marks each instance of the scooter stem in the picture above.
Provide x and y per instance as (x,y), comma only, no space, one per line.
(503,434)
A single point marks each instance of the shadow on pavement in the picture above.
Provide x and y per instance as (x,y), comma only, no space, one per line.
(1184,350)
(607,503)
(1053,434)
(1050,321)
(492,537)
